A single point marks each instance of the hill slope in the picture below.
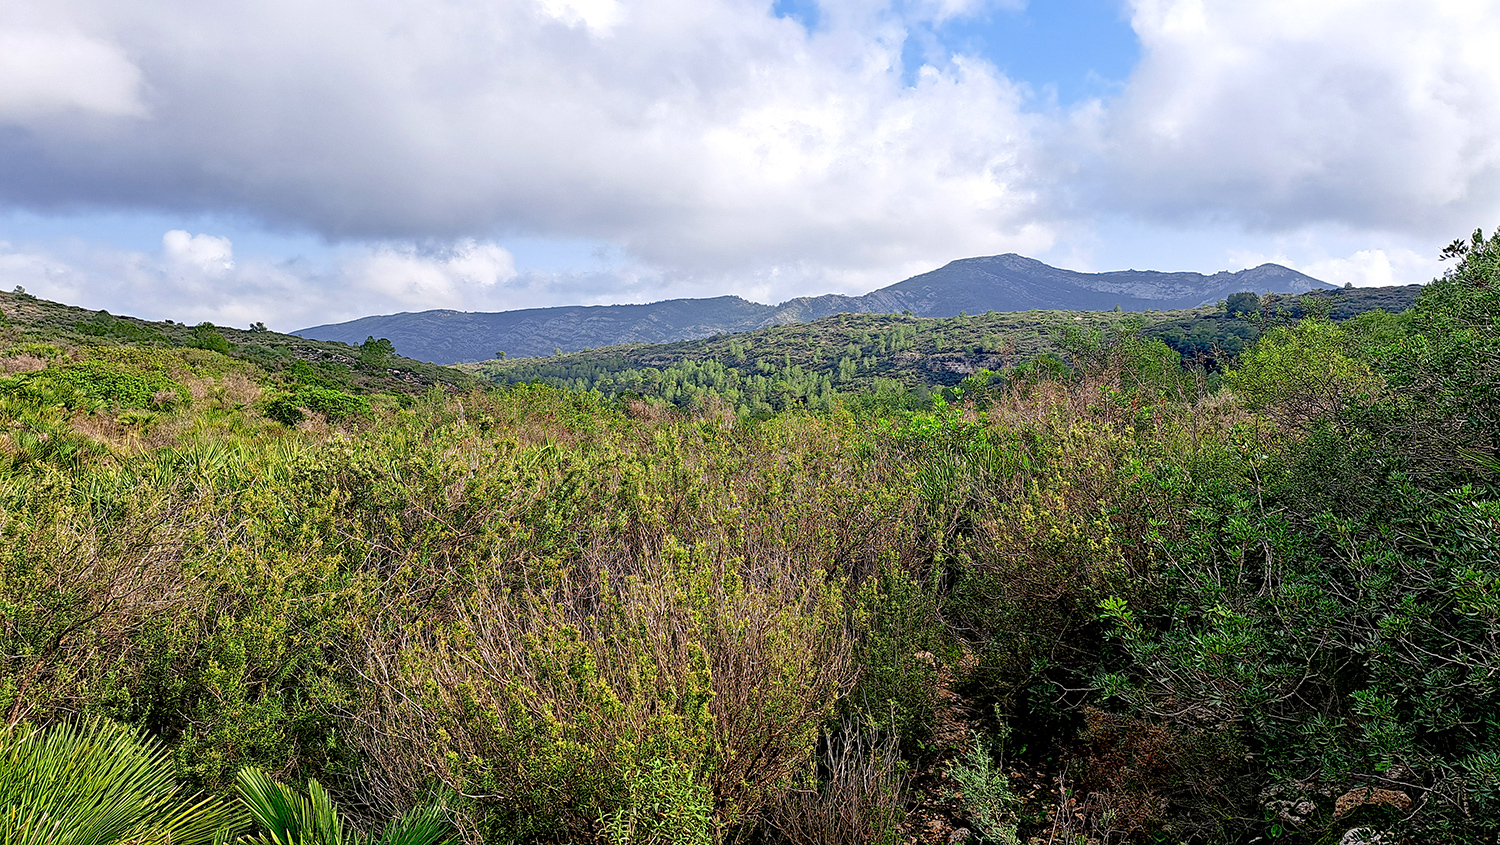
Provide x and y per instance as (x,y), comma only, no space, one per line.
(806,364)
(975,285)
(36,330)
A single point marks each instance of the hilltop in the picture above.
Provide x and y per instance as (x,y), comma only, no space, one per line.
(1001,283)
(36,333)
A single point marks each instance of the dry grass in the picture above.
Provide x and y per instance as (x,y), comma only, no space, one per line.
(23,363)
(857,796)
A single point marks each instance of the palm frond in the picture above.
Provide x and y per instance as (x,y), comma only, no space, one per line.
(98,784)
(287,818)
(427,825)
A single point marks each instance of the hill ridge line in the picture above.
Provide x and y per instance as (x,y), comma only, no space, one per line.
(978,284)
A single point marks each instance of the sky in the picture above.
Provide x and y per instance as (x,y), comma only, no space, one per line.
(299,162)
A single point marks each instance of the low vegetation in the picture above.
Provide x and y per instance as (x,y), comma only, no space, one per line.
(1111,594)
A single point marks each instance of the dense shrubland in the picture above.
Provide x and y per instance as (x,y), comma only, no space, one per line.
(1102,598)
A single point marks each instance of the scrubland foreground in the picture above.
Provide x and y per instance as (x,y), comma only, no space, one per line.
(1118,601)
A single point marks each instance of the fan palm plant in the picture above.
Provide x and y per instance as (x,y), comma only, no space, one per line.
(97,783)
(287,818)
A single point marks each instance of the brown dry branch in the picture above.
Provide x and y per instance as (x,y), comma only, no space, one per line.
(855,796)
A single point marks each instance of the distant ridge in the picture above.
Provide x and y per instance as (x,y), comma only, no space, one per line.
(1007,282)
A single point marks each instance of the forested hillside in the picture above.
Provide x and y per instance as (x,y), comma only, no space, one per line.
(1109,599)
(811,364)
(972,285)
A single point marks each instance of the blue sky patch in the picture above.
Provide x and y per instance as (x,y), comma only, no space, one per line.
(1077,48)
(804,12)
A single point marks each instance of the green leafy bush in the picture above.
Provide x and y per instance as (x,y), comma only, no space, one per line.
(989,802)
(336,405)
(206,336)
(376,353)
(104,325)
(73,384)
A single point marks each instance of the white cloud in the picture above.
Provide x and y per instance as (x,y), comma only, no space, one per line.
(1375,268)
(37,272)
(599,15)
(941,11)
(707,138)
(196,277)
(44,73)
(714,148)
(446,278)
(204,254)
(1389,263)
(1281,113)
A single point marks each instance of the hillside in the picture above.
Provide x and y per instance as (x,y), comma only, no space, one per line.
(37,330)
(808,363)
(1100,598)
(973,285)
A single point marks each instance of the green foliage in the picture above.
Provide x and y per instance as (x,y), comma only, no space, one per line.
(808,365)
(1449,364)
(902,639)
(376,353)
(1242,304)
(287,818)
(321,374)
(755,596)
(989,802)
(335,405)
(98,784)
(206,336)
(81,384)
(132,331)
(45,351)
(1304,374)
(663,806)
(285,409)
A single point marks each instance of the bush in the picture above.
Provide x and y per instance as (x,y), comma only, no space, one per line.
(335,405)
(285,410)
(206,336)
(105,326)
(1304,374)
(376,353)
(855,796)
(989,802)
(101,382)
(1242,304)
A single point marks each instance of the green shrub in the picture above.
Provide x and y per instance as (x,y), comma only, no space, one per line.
(989,803)
(323,374)
(283,408)
(335,405)
(47,351)
(1304,374)
(104,325)
(664,805)
(206,336)
(376,353)
(124,387)
(1242,304)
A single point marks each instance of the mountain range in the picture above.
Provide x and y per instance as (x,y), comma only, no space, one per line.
(1007,282)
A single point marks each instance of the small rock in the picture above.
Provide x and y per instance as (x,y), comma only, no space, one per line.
(1370,795)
